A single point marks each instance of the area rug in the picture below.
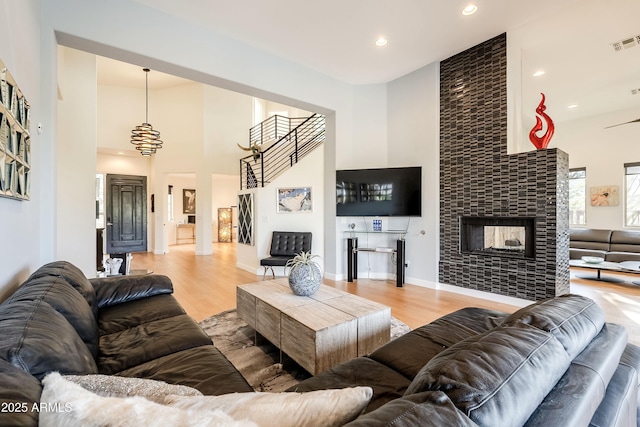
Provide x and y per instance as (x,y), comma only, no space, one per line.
(259,362)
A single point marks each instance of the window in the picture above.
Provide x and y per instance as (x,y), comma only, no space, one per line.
(577,196)
(170,198)
(100,178)
(632,194)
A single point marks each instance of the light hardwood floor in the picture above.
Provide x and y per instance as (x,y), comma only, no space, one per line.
(206,285)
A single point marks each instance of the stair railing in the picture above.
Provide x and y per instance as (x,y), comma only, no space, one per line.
(304,135)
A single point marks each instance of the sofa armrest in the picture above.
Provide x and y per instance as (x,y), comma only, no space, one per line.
(116,290)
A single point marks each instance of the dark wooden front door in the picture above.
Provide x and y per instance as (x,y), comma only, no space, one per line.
(126,213)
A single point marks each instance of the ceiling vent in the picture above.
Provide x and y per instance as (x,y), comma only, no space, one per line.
(626,43)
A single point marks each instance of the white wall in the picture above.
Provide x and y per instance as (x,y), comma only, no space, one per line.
(225,195)
(76,166)
(306,173)
(413,116)
(227,120)
(21,222)
(603,152)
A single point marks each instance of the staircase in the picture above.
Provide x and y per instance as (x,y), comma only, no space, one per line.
(279,143)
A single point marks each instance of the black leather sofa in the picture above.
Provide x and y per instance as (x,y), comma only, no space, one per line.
(612,245)
(553,363)
(131,326)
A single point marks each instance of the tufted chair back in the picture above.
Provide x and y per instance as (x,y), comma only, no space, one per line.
(289,243)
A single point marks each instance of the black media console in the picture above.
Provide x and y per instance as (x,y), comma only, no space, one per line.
(353,249)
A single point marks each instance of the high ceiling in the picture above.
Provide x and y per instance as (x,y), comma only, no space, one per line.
(337,38)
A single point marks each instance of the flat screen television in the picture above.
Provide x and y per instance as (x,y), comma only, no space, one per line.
(379,192)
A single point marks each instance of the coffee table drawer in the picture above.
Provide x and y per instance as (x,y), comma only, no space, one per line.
(268,322)
(246,306)
(318,338)
(374,321)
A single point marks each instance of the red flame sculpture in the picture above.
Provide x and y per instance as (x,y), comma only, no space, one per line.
(542,142)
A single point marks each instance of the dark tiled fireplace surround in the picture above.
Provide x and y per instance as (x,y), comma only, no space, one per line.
(478,179)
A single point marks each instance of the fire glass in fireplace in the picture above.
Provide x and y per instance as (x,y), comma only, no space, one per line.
(501,236)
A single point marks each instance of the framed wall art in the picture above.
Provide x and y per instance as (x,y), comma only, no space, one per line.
(15,144)
(189,201)
(294,199)
(604,195)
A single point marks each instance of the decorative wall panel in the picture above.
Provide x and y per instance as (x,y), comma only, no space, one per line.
(245,219)
(15,144)
(479,179)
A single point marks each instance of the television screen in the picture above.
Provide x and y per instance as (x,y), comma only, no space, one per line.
(379,192)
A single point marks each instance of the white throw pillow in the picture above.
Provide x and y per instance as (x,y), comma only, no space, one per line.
(322,407)
(64,404)
(115,386)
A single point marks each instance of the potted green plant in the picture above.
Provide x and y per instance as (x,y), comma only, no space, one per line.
(305,275)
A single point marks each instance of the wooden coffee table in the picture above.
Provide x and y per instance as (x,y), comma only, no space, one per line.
(319,331)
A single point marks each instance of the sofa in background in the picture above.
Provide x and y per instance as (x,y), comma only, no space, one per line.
(612,245)
(129,326)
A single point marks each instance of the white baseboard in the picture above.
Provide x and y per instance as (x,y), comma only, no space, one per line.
(503,299)
(251,269)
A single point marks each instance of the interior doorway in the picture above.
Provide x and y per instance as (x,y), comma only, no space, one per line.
(126,213)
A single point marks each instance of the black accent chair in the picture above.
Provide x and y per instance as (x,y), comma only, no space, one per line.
(284,246)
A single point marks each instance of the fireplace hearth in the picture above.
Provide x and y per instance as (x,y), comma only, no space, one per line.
(498,236)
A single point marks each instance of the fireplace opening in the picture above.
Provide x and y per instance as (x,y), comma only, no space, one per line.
(498,236)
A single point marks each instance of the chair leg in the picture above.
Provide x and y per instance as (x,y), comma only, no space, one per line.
(266,268)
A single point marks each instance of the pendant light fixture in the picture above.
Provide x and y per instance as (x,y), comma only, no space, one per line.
(146,140)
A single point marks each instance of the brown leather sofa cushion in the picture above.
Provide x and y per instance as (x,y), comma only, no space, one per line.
(573,319)
(429,409)
(119,289)
(148,341)
(120,317)
(485,375)
(18,394)
(38,339)
(593,369)
(203,368)
(66,300)
(386,383)
(72,275)
(410,352)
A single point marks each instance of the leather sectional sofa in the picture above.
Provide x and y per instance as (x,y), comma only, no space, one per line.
(131,326)
(612,245)
(554,363)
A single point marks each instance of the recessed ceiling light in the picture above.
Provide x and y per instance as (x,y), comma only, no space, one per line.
(470,10)
(538,73)
(381,41)
(572,106)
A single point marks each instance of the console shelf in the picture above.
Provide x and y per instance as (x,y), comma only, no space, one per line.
(353,249)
